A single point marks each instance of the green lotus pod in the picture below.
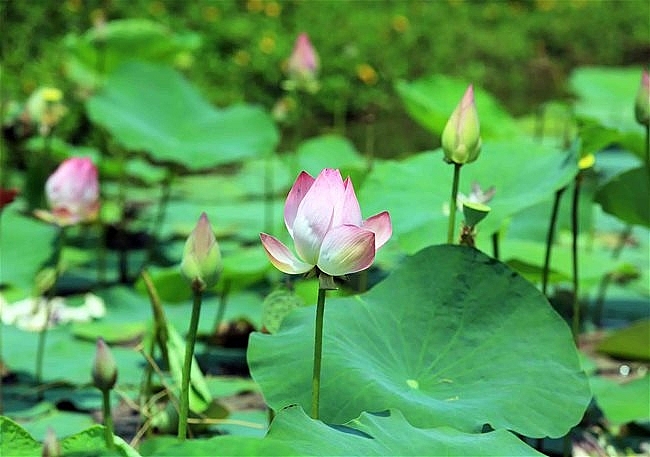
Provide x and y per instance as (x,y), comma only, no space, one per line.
(474,213)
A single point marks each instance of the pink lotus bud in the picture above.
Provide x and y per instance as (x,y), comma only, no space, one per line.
(642,104)
(104,370)
(323,217)
(461,138)
(201,263)
(73,192)
(303,65)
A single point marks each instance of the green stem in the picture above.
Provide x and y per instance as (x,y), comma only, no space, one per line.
(495,245)
(42,336)
(187,366)
(550,234)
(452,204)
(647,147)
(223,300)
(318,351)
(108,418)
(575,327)
(165,195)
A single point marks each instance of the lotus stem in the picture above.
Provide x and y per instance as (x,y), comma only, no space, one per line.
(550,234)
(318,350)
(108,418)
(187,365)
(452,203)
(575,327)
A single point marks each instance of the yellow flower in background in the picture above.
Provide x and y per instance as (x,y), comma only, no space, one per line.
(587,161)
(367,74)
(157,8)
(272,9)
(73,5)
(267,44)
(400,23)
(545,5)
(254,6)
(242,58)
(211,13)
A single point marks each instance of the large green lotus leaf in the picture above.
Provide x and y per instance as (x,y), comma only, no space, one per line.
(623,403)
(451,338)
(627,196)
(416,191)
(25,244)
(101,50)
(152,108)
(607,95)
(388,434)
(431,100)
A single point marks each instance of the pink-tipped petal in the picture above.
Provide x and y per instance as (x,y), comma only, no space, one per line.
(300,187)
(347,210)
(281,257)
(347,249)
(314,216)
(381,226)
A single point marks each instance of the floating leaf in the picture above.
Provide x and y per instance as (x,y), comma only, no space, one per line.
(623,403)
(154,109)
(451,338)
(416,191)
(627,196)
(388,434)
(631,342)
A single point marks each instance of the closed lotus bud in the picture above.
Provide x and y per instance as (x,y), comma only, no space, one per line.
(201,263)
(72,192)
(642,104)
(104,371)
(51,446)
(461,138)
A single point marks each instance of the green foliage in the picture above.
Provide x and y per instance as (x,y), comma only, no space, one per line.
(630,342)
(441,339)
(627,196)
(152,108)
(622,403)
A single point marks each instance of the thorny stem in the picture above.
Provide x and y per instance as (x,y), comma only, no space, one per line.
(187,366)
(108,418)
(318,350)
(452,204)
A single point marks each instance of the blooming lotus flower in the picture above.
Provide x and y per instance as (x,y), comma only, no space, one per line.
(461,140)
(323,217)
(642,104)
(201,262)
(72,192)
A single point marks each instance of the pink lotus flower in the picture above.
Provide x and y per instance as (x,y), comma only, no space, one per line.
(72,192)
(324,219)
(303,62)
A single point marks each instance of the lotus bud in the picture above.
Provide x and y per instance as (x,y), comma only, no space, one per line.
(201,264)
(303,66)
(642,105)
(51,445)
(104,371)
(461,140)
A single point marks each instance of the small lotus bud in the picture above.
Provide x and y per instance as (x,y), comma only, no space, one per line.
(51,446)
(201,263)
(303,66)
(474,213)
(642,104)
(461,140)
(104,367)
